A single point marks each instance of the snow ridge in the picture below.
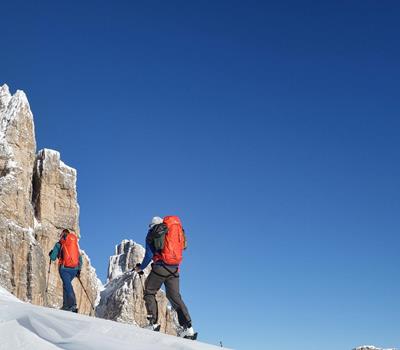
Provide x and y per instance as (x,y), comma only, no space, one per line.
(25,327)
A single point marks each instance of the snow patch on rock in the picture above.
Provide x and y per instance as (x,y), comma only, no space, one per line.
(127,254)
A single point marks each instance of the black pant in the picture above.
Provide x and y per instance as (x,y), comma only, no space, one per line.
(170,277)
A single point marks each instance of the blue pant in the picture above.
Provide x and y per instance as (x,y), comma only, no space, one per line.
(69,300)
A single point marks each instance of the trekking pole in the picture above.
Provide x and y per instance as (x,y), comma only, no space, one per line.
(142,302)
(87,295)
(47,283)
(48,276)
(137,297)
(166,318)
(141,282)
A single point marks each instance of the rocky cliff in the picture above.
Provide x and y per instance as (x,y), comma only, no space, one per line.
(37,199)
(122,297)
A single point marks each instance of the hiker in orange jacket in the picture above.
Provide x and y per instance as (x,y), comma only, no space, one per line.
(70,264)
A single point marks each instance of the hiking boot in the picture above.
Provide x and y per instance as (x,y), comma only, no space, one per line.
(187,332)
(71,308)
(153,327)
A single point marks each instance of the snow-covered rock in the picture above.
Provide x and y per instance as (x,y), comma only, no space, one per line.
(19,251)
(29,327)
(37,199)
(56,207)
(371,347)
(122,297)
(127,254)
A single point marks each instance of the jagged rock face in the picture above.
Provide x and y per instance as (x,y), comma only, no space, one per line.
(37,199)
(18,248)
(55,198)
(17,155)
(127,255)
(56,208)
(122,297)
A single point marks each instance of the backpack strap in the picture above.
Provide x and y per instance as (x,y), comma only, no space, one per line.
(156,236)
(171,273)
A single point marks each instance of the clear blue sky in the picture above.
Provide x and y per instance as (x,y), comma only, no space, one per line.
(272,130)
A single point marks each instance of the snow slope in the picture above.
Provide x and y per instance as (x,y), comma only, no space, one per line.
(30,327)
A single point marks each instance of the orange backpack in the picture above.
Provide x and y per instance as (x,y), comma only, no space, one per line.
(174,242)
(69,255)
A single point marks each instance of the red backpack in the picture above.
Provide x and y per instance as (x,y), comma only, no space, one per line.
(69,255)
(174,242)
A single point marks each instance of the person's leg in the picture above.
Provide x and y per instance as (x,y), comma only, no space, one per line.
(69,301)
(152,286)
(66,280)
(72,296)
(64,307)
(175,298)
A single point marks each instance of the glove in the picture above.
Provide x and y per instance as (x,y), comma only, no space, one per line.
(50,252)
(78,274)
(138,269)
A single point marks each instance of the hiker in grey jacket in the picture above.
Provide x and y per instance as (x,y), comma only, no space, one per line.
(164,271)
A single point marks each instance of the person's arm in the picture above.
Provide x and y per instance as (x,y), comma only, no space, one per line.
(78,274)
(185,244)
(147,257)
(80,262)
(54,252)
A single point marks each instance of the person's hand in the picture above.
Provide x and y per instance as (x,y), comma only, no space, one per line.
(50,252)
(78,274)
(138,269)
